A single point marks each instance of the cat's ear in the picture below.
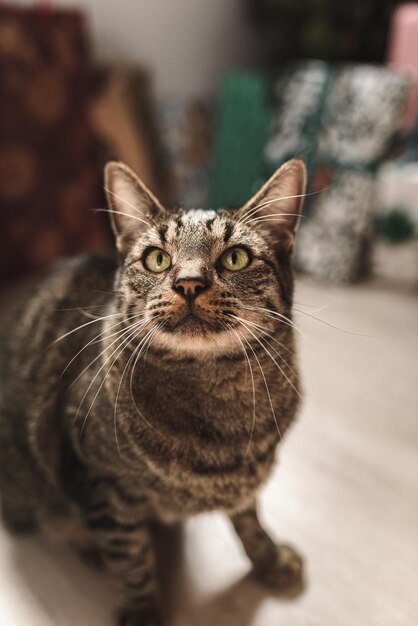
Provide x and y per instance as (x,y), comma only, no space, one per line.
(131,204)
(278,204)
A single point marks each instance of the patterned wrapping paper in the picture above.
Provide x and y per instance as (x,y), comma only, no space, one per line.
(333,244)
(301,94)
(364,111)
(344,138)
(204,146)
(214,155)
(49,181)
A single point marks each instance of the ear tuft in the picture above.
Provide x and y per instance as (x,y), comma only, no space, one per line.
(131,204)
(278,204)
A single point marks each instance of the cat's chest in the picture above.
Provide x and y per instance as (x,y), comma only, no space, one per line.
(202,424)
(179,494)
(195,388)
(199,442)
(219,394)
(207,424)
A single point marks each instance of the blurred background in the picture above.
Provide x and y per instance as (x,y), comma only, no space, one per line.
(204,99)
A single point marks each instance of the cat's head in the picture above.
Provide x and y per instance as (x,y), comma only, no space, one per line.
(207,281)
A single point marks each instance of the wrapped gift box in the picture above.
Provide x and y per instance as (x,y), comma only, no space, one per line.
(341,120)
(49,179)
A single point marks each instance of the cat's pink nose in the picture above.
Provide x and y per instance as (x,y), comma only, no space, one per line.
(190,288)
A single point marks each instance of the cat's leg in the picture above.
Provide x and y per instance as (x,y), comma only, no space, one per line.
(18,492)
(128,552)
(277,566)
(17,516)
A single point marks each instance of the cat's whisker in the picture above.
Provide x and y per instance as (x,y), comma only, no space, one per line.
(124,343)
(265,331)
(158,327)
(106,293)
(265,383)
(120,340)
(133,217)
(262,330)
(74,330)
(229,327)
(119,389)
(262,205)
(272,217)
(143,347)
(98,337)
(138,347)
(262,338)
(88,314)
(119,349)
(78,308)
(283,373)
(343,330)
(287,321)
(284,320)
(124,201)
(275,314)
(137,355)
(119,333)
(311,306)
(136,325)
(237,334)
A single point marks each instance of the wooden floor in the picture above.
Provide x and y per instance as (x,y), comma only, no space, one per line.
(345,491)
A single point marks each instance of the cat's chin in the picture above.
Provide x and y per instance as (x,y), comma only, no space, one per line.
(197,339)
(192,325)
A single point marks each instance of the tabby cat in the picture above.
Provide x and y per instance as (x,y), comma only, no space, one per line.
(152,387)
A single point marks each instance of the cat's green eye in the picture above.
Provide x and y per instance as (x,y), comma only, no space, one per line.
(157,260)
(235,259)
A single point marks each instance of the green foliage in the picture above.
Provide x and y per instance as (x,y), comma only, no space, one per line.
(395,226)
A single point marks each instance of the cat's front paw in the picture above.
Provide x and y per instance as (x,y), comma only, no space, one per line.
(135,617)
(283,573)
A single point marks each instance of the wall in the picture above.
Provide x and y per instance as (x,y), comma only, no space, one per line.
(189,43)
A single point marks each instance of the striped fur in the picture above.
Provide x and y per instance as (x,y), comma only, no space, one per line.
(98,450)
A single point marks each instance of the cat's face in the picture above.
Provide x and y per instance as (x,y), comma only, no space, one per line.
(203,281)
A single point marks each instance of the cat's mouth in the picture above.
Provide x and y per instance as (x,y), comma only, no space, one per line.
(191,322)
(196,332)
